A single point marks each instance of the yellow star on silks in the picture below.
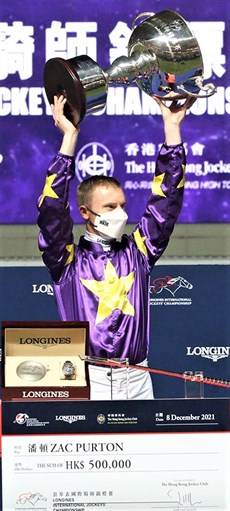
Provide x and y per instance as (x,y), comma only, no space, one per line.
(112,292)
(48,190)
(70,249)
(182,181)
(140,242)
(156,185)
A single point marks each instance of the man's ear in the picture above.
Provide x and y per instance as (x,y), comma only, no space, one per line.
(84,212)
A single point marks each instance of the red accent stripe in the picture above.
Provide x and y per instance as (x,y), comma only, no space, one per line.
(206,380)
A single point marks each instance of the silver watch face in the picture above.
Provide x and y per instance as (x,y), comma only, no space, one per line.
(31,371)
(68,368)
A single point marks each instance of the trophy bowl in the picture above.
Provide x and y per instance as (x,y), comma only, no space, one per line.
(175,53)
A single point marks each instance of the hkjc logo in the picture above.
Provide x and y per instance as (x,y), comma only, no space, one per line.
(94,159)
(169,284)
(101,418)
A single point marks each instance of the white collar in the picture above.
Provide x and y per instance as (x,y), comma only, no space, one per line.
(106,244)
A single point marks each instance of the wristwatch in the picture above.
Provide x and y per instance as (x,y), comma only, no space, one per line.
(68,369)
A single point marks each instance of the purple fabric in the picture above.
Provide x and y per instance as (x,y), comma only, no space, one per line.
(109,289)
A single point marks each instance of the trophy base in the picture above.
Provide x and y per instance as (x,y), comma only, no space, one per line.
(81,81)
(60,78)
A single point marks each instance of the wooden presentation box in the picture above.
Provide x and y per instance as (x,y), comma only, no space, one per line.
(44,356)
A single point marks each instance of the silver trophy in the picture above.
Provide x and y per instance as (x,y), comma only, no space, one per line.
(164,59)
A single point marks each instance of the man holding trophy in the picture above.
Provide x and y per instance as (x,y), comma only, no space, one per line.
(104,279)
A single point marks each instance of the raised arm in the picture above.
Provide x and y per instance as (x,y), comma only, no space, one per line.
(153,232)
(173,117)
(54,220)
(69,131)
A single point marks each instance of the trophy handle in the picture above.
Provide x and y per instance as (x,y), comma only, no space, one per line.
(209,88)
(141,15)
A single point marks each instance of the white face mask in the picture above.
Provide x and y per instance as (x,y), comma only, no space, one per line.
(110,224)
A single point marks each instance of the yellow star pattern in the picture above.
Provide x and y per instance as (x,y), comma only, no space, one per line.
(47,190)
(156,186)
(140,242)
(70,249)
(181,183)
(112,292)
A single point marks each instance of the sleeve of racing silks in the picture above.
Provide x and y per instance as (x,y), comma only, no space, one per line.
(152,233)
(54,220)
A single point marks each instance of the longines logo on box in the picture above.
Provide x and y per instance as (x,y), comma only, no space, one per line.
(44,340)
(44,394)
(38,337)
(214,353)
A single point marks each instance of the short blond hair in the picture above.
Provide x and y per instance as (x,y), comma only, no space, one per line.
(87,187)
